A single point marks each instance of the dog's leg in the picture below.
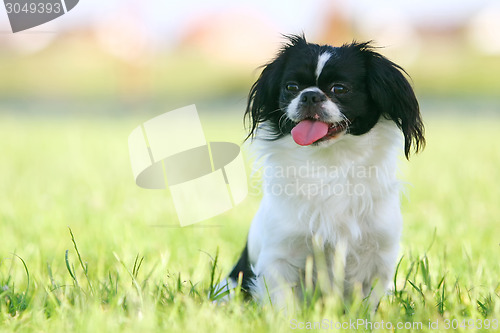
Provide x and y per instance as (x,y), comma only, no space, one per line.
(373,271)
(243,270)
(277,282)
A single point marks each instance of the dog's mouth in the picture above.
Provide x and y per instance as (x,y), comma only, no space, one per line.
(309,131)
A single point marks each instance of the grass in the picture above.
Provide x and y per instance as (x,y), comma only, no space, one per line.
(83,249)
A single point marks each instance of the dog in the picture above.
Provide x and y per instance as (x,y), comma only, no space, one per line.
(327,124)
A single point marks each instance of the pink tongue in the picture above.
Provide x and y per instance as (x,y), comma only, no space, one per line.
(309,131)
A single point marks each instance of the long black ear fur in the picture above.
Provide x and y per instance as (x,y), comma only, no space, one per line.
(263,101)
(393,95)
(261,104)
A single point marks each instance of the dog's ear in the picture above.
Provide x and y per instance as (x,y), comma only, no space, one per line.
(263,96)
(393,95)
(263,99)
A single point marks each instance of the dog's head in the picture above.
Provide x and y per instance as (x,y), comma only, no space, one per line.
(318,94)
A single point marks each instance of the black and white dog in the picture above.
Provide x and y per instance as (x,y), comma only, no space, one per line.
(326,123)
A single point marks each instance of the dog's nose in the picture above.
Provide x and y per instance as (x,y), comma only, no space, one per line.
(312,97)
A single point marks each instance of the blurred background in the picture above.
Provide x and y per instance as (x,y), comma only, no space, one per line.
(129,56)
(72,90)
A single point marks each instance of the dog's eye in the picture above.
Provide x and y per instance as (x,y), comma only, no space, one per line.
(292,87)
(339,89)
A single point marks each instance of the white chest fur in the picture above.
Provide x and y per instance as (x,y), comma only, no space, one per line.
(346,191)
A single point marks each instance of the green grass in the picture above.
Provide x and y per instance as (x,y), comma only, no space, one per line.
(83,249)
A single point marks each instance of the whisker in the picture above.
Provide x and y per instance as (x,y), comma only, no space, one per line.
(278,109)
(279,122)
(345,122)
(345,118)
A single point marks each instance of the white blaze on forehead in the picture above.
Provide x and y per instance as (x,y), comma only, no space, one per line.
(322,59)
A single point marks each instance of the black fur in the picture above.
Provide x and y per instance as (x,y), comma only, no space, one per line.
(243,266)
(393,96)
(377,87)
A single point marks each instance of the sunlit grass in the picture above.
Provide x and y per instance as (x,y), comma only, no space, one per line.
(131,268)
